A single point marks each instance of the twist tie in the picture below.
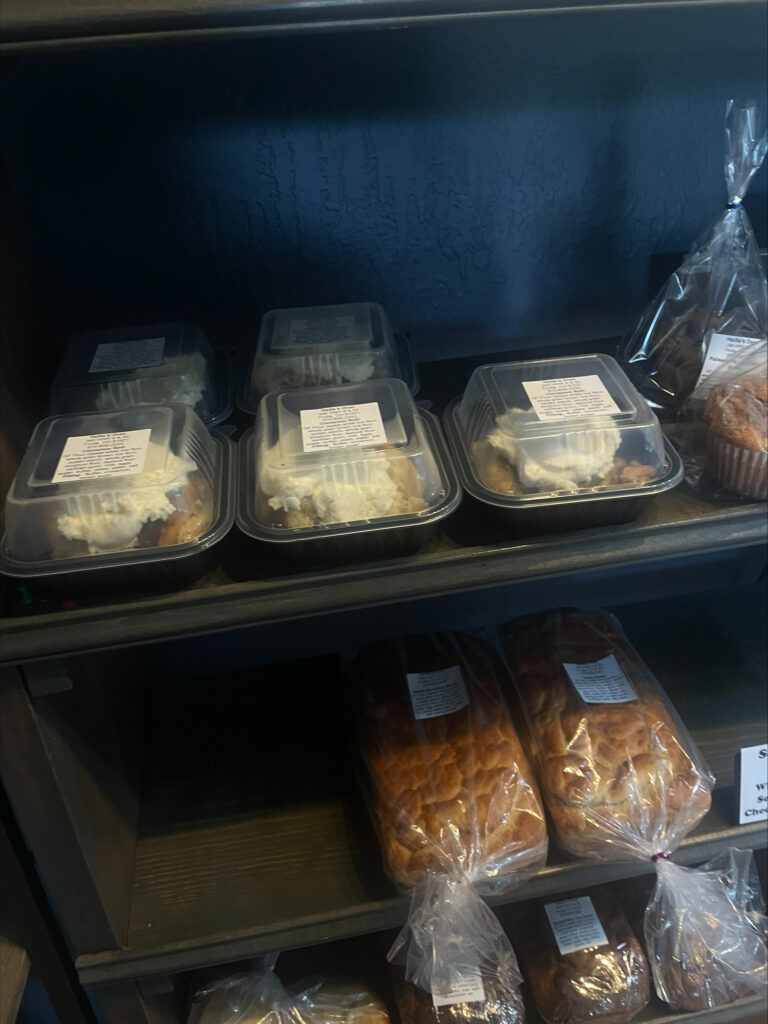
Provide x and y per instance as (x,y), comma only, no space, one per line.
(659,856)
(734,205)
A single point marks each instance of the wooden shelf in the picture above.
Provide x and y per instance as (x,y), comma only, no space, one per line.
(62,24)
(253,833)
(466,556)
(253,586)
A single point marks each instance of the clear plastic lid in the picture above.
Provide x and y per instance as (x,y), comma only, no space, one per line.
(327,458)
(105,489)
(558,427)
(318,346)
(155,364)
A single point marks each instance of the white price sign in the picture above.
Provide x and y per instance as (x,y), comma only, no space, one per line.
(753,805)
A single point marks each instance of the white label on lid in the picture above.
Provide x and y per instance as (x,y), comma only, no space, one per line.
(467,988)
(575,925)
(437,693)
(93,456)
(342,426)
(324,330)
(719,350)
(753,805)
(601,682)
(563,398)
(127,355)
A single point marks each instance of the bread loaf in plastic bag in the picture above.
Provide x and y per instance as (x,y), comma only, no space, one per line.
(456,806)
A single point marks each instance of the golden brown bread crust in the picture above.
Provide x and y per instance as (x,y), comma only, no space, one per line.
(503,1005)
(738,412)
(342,1002)
(607,983)
(192,516)
(617,778)
(451,791)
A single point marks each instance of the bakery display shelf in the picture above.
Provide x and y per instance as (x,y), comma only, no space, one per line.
(254,835)
(58,24)
(254,586)
(468,554)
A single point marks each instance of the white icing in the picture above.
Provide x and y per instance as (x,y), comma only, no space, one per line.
(563,462)
(112,521)
(340,492)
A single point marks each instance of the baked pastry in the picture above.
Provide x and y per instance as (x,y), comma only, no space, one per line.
(368,488)
(261,999)
(451,785)
(503,1004)
(168,503)
(508,463)
(341,1002)
(706,932)
(609,983)
(619,777)
(700,982)
(737,438)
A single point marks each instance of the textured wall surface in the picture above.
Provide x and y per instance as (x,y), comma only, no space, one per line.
(505,181)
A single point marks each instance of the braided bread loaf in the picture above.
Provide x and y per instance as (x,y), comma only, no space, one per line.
(451,790)
(619,779)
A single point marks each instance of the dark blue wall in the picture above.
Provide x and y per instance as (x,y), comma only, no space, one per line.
(506,180)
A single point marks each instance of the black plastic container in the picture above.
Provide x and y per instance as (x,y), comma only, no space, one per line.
(411,433)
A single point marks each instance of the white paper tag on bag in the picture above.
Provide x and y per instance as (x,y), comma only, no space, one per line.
(437,693)
(575,925)
(319,331)
(753,803)
(719,350)
(468,988)
(601,682)
(127,355)
(342,426)
(94,456)
(561,398)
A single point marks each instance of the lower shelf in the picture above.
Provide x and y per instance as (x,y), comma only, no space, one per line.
(253,834)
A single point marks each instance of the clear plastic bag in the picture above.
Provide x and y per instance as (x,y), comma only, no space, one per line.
(452,963)
(705,930)
(621,776)
(622,779)
(260,998)
(607,981)
(718,297)
(454,798)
